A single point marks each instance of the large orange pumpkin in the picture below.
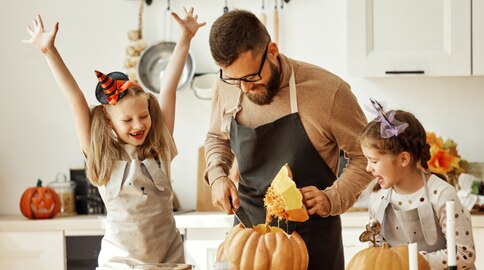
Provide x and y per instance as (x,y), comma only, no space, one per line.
(39,202)
(384,258)
(263,248)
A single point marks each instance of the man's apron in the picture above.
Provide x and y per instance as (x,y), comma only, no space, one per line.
(261,152)
(418,225)
(140,227)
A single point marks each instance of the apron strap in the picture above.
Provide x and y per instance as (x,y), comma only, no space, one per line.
(292,92)
(380,213)
(427,218)
(237,107)
(156,174)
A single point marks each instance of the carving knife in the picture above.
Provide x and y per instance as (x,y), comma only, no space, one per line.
(243,217)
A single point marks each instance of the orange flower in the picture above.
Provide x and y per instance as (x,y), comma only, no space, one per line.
(443,155)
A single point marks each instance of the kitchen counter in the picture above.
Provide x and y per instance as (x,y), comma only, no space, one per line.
(94,224)
(21,238)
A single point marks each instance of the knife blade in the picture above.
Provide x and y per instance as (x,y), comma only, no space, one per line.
(242,216)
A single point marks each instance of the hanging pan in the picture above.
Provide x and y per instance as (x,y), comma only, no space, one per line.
(154,59)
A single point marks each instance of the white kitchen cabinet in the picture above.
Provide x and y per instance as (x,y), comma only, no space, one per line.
(32,250)
(201,246)
(351,242)
(479,243)
(413,37)
(478,37)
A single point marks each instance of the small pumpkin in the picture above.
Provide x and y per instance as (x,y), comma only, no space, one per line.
(384,258)
(283,200)
(39,202)
(263,248)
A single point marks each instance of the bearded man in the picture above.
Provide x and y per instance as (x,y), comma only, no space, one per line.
(269,110)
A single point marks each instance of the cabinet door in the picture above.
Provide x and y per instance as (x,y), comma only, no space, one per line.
(478,37)
(201,246)
(32,250)
(388,37)
(351,243)
(479,243)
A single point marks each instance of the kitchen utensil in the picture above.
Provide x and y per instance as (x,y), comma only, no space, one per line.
(243,217)
(163,266)
(203,85)
(153,61)
(276,23)
(152,64)
(263,17)
(226,7)
(204,194)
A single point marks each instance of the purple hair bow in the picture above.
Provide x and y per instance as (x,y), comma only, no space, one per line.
(389,125)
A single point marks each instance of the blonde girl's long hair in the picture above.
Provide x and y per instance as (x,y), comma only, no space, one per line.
(105,148)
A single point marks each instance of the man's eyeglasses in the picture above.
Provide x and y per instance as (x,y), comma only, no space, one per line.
(249,78)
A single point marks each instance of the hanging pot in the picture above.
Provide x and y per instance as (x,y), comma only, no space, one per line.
(154,59)
(153,62)
(203,85)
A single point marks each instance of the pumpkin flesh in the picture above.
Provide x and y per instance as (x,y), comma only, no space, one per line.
(283,200)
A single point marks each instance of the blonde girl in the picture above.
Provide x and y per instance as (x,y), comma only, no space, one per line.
(127,141)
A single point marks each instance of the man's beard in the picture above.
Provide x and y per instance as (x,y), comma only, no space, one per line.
(267,95)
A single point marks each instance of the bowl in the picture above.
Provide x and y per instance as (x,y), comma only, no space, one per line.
(203,85)
(153,62)
(163,266)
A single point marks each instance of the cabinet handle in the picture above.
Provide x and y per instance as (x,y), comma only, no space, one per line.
(405,72)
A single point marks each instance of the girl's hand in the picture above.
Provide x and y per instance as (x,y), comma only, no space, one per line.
(189,24)
(39,38)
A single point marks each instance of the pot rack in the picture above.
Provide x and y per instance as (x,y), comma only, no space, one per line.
(149,2)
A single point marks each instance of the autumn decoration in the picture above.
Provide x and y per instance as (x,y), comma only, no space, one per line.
(444,158)
(39,202)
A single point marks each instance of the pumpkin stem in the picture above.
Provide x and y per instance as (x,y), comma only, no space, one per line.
(39,183)
(385,245)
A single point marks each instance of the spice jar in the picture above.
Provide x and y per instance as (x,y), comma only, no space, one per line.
(65,189)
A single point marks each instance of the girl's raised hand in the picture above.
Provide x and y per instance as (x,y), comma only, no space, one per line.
(39,38)
(188,24)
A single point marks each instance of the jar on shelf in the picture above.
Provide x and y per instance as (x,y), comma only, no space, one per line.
(65,189)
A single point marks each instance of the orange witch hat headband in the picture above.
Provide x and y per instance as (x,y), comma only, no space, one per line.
(111,87)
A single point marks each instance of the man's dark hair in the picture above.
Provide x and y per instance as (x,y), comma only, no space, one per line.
(236,32)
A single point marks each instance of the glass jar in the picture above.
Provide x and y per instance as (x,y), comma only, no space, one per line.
(65,189)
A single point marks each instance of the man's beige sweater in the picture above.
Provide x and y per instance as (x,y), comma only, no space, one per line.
(329,113)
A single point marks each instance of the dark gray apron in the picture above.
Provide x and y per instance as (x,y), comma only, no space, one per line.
(261,152)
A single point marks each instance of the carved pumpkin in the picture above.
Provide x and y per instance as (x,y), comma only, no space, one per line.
(283,200)
(383,258)
(39,202)
(263,248)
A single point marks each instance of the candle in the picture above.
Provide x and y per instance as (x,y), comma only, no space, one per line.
(451,252)
(412,256)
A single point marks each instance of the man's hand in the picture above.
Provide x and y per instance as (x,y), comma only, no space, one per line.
(315,201)
(223,191)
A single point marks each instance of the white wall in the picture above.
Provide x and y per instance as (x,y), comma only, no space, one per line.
(37,139)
